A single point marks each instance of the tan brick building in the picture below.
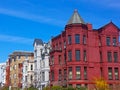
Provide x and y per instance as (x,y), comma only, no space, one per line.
(16,66)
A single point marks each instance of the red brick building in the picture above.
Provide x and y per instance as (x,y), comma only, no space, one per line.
(7,82)
(80,53)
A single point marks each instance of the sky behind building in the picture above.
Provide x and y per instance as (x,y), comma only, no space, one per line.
(21,21)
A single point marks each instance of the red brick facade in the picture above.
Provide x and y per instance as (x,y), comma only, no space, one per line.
(7,82)
(80,54)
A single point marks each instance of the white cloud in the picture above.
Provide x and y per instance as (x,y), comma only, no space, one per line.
(29,16)
(16,39)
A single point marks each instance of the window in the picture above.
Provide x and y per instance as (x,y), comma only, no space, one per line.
(56,47)
(115,57)
(64,44)
(110,73)
(114,41)
(109,55)
(70,55)
(60,45)
(77,55)
(108,41)
(60,75)
(84,56)
(25,78)
(77,38)
(70,73)
(59,58)
(43,76)
(78,85)
(26,56)
(100,56)
(31,78)
(77,72)
(116,74)
(18,57)
(31,67)
(85,73)
(35,53)
(25,68)
(69,39)
(84,39)
(101,72)
(64,58)
(52,60)
(14,75)
(70,85)
(65,74)
(15,67)
(52,74)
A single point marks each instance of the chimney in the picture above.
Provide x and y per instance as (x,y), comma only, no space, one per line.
(89,25)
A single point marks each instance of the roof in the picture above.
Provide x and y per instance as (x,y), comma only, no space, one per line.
(110,23)
(38,42)
(75,18)
(21,53)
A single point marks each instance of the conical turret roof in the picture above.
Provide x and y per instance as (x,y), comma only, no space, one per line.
(75,18)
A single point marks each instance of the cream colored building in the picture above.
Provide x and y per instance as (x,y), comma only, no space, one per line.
(17,59)
(28,73)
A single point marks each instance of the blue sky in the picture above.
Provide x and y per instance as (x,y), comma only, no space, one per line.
(21,21)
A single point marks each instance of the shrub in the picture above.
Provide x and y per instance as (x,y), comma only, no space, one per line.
(56,88)
(32,88)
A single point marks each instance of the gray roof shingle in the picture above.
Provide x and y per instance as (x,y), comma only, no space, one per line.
(76,18)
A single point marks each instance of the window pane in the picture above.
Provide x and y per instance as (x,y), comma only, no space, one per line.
(65,74)
(59,58)
(52,74)
(114,41)
(69,39)
(85,73)
(31,67)
(77,54)
(69,55)
(43,76)
(115,57)
(60,75)
(110,73)
(70,73)
(84,56)
(84,39)
(109,55)
(77,38)
(108,41)
(77,72)
(100,56)
(78,85)
(116,74)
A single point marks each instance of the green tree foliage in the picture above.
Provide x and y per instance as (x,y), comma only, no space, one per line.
(31,88)
(56,88)
(62,88)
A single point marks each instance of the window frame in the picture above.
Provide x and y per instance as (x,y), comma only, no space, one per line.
(77,38)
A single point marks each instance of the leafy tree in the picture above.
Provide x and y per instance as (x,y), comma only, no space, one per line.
(101,84)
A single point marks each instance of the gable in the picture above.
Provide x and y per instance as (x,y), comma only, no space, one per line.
(110,28)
